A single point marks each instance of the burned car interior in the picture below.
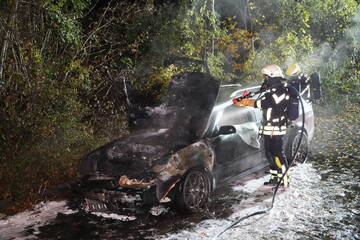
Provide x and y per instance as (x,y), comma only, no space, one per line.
(180,149)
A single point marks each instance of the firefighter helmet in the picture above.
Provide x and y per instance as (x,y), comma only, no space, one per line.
(293,70)
(272,71)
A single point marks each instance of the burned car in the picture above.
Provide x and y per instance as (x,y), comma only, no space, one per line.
(179,150)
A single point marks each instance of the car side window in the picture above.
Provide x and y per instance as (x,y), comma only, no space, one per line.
(236,116)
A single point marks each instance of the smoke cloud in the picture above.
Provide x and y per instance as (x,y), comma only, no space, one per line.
(268,11)
(336,55)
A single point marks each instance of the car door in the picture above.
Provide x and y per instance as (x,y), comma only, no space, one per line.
(238,152)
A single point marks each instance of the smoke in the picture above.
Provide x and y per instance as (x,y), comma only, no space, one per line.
(353,33)
(333,56)
(272,14)
(315,59)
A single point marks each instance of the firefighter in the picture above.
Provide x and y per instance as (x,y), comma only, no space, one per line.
(299,80)
(273,103)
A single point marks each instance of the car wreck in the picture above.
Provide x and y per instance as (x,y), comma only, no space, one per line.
(178,151)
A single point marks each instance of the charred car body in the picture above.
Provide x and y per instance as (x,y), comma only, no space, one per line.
(179,150)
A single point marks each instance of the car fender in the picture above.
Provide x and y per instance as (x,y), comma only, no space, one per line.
(196,154)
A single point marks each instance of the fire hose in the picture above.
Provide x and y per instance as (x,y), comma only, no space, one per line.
(247,95)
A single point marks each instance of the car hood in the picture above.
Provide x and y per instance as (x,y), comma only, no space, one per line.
(178,120)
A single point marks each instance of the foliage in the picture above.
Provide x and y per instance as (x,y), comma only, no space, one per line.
(329,19)
(340,68)
(152,87)
(279,16)
(217,65)
(342,81)
(43,132)
(237,44)
(64,16)
(192,35)
(300,32)
(286,48)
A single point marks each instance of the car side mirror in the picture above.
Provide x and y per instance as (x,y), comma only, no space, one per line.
(224,130)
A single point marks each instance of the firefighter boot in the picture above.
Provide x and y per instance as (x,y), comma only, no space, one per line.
(281,171)
(273,178)
(285,181)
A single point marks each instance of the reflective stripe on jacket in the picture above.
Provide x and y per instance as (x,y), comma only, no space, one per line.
(274,103)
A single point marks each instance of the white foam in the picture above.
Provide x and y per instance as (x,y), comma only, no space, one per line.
(158,210)
(114,216)
(163,109)
(251,186)
(12,227)
(301,200)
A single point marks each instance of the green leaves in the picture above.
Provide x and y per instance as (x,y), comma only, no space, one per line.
(329,19)
(64,15)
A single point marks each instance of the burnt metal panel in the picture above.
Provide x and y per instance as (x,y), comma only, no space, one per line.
(176,121)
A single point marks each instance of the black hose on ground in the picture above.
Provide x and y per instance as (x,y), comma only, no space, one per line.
(281,179)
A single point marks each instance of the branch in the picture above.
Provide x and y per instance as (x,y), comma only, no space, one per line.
(4,47)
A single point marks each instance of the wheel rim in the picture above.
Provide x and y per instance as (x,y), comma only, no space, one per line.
(195,190)
(302,153)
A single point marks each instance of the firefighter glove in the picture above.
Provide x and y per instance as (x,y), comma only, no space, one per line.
(235,100)
(245,103)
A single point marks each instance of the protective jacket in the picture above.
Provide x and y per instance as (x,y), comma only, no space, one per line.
(274,103)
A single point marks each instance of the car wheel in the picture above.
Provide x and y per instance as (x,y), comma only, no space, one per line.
(193,190)
(302,154)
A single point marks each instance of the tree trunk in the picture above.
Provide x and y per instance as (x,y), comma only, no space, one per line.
(5,43)
(245,14)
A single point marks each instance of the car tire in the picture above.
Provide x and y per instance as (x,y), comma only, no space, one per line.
(302,154)
(193,191)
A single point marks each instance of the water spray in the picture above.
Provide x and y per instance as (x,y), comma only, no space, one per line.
(248,95)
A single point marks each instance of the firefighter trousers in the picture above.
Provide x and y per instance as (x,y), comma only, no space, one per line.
(275,154)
